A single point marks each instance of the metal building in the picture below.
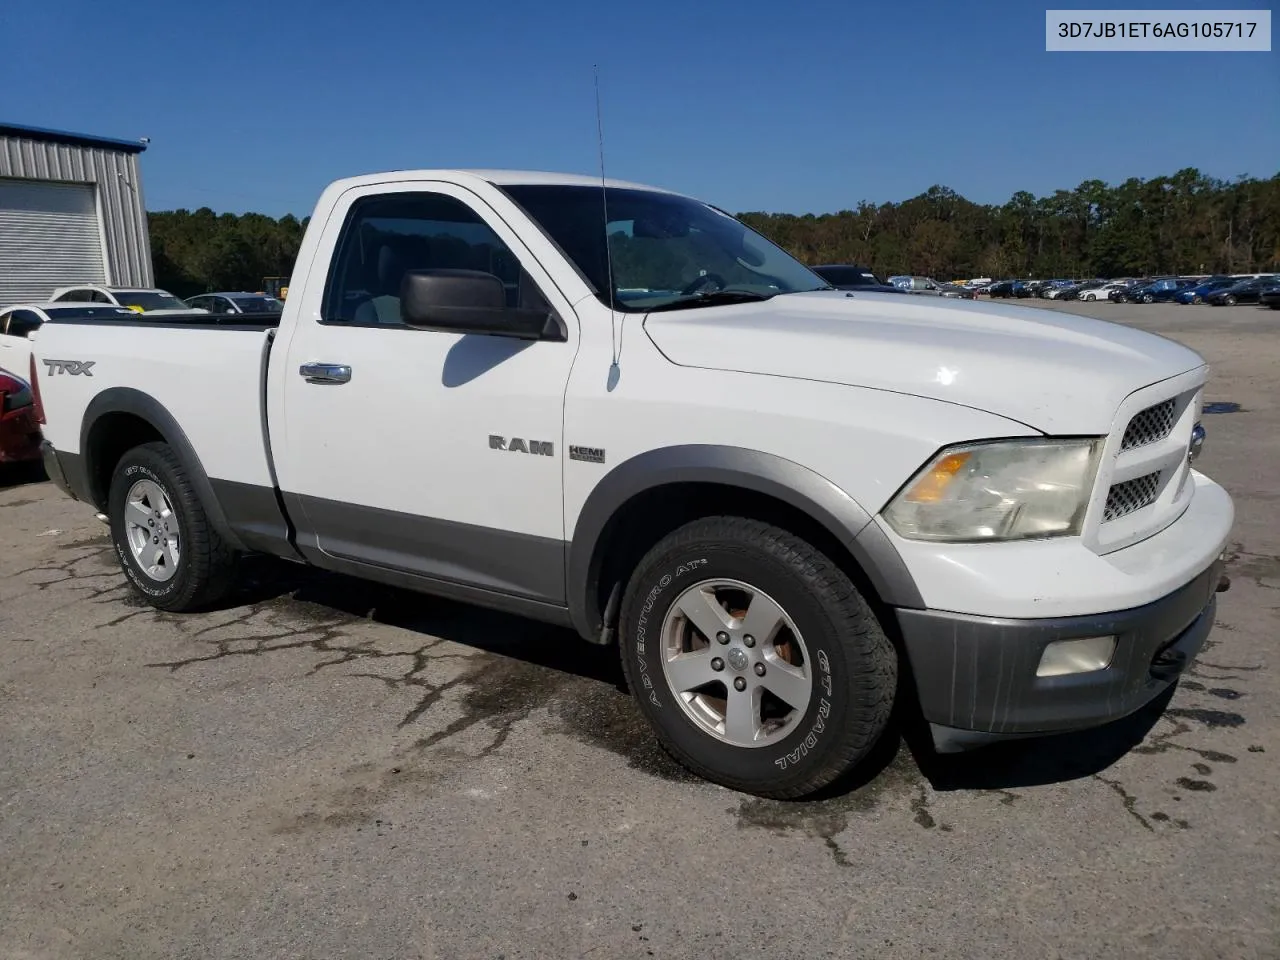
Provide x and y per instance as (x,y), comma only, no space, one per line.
(71,212)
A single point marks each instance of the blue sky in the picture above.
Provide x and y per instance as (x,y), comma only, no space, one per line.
(750,104)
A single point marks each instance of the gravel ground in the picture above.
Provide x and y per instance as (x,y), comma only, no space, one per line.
(331,769)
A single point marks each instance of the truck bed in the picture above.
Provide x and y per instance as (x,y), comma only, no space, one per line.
(207,373)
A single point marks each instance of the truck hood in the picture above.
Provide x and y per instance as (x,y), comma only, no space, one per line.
(1055,372)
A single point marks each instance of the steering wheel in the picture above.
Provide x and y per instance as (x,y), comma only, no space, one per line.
(700,282)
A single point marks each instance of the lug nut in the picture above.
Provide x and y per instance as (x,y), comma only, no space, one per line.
(749,640)
(151,523)
(759,669)
(717,664)
(739,684)
(722,637)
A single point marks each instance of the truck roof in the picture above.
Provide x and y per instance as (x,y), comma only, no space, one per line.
(497,177)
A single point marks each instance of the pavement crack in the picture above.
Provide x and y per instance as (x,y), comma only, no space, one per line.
(1129,800)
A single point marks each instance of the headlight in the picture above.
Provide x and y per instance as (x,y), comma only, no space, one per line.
(1002,490)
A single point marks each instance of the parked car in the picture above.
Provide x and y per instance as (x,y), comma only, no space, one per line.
(1084,287)
(1001,289)
(1197,293)
(1247,291)
(1042,287)
(19,431)
(1270,297)
(685,484)
(1102,292)
(927,286)
(853,277)
(19,321)
(139,299)
(1060,290)
(1023,289)
(1160,291)
(236,303)
(1126,286)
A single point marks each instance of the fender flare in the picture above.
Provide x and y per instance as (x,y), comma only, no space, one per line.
(753,470)
(149,409)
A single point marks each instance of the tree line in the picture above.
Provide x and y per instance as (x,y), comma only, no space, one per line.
(1184,223)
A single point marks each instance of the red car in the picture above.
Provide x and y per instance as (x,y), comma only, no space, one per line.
(19,432)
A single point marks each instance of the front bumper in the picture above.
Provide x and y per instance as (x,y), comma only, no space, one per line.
(976,676)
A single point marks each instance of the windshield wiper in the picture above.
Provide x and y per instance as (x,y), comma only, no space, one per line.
(713,298)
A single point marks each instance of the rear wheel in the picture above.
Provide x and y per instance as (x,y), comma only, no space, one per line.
(755,658)
(168,549)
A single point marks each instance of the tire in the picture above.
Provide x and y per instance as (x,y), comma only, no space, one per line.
(1228,301)
(1196,298)
(195,568)
(828,632)
(1090,298)
(1148,298)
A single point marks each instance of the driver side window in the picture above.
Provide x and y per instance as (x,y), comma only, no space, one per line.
(385,236)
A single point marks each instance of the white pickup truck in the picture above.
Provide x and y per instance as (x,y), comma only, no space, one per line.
(788,505)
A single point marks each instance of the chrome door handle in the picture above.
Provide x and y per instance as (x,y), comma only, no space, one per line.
(325,372)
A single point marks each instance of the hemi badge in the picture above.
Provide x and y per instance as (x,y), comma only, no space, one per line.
(587,454)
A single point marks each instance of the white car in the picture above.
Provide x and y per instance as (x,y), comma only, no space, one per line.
(772,497)
(1101,293)
(19,321)
(140,299)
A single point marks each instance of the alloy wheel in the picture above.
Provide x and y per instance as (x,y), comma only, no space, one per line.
(736,663)
(152,530)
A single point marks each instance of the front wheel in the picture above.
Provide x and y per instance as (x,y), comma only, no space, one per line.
(755,658)
(169,551)
(1229,301)
(1148,298)
(1090,298)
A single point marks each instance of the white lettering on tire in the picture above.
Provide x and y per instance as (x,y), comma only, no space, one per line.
(810,741)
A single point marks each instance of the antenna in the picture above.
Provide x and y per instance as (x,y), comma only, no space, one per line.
(614,371)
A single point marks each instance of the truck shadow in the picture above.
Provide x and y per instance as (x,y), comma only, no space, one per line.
(1033,761)
(532,654)
(21,474)
(538,644)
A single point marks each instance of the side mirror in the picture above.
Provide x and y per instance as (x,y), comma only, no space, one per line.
(470,302)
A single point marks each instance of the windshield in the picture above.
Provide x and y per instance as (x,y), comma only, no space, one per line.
(666,249)
(149,299)
(259,305)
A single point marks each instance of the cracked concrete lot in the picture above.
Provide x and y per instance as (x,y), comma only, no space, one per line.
(331,769)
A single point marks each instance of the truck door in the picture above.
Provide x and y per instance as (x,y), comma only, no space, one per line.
(434,454)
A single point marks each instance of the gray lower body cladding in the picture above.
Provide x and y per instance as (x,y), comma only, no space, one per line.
(976,676)
(61,468)
(498,568)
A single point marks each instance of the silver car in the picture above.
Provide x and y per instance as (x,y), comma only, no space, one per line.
(930,287)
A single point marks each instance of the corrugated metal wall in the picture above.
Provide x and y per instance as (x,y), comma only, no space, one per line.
(119,195)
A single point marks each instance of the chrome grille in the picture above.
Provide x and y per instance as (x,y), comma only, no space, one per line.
(1125,498)
(1149,425)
